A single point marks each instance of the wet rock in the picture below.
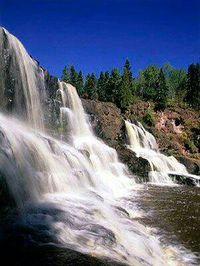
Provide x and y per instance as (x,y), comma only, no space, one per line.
(183,180)
(7,77)
(192,165)
(138,166)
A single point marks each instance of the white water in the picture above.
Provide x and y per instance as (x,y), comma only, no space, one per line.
(144,145)
(75,191)
(32,87)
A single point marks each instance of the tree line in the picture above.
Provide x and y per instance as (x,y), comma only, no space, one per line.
(164,86)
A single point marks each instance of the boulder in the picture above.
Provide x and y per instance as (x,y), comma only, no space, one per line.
(183,180)
(138,166)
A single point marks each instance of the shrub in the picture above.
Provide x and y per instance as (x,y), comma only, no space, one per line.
(149,118)
(190,146)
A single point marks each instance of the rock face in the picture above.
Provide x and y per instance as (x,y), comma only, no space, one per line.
(106,120)
(6,76)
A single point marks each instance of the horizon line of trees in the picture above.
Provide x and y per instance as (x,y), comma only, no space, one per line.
(165,86)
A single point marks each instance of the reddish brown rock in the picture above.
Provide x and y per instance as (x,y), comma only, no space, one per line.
(106,120)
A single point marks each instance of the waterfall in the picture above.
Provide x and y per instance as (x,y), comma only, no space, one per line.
(29,85)
(73,190)
(103,159)
(144,145)
(76,191)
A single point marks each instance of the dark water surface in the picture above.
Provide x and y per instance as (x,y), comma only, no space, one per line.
(174,212)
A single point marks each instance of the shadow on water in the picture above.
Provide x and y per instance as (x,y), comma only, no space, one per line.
(173,211)
(19,246)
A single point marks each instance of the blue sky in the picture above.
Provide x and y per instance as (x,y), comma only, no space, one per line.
(97,35)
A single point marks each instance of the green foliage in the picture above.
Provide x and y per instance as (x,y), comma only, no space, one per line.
(73,76)
(124,94)
(161,92)
(181,89)
(164,86)
(190,146)
(170,75)
(101,87)
(113,88)
(149,118)
(149,81)
(175,82)
(91,86)
(80,83)
(65,75)
(193,86)
(70,75)
(127,66)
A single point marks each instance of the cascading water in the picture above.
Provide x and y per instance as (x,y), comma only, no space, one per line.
(30,82)
(75,192)
(103,159)
(144,145)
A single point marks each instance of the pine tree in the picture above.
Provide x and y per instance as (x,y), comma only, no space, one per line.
(176,83)
(161,92)
(127,66)
(107,75)
(91,86)
(151,81)
(124,95)
(112,89)
(101,87)
(65,75)
(182,86)
(193,86)
(80,83)
(73,76)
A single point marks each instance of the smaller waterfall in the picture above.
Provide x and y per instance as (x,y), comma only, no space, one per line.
(144,145)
